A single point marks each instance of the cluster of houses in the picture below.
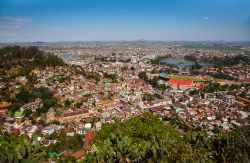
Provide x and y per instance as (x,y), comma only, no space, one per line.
(85,103)
(103,101)
(242,72)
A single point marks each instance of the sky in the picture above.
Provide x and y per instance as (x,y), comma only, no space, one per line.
(124,20)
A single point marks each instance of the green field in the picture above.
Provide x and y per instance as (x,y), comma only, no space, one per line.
(184,77)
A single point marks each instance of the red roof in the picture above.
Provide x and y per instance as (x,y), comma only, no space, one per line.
(79,154)
(247,80)
(180,82)
(2,111)
(89,135)
(158,108)
(199,87)
(15,132)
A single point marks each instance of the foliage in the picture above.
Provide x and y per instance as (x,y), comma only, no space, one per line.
(147,97)
(190,57)
(143,139)
(112,77)
(20,149)
(196,66)
(230,61)
(146,139)
(71,143)
(29,57)
(68,102)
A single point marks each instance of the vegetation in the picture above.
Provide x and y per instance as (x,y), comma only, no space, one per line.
(215,87)
(146,139)
(190,57)
(196,66)
(158,59)
(70,143)
(21,149)
(112,77)
(147,97)
(153,82)
(230,61)
(28,58)
(185,77)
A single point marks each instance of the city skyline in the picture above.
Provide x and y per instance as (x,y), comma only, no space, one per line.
(117,20)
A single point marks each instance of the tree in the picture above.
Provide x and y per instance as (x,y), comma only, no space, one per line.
(24,95)
(67,102)
(143,75)
(147,97)
(70,159)
(196,66)
(143,139)
(21,149)
(49,103)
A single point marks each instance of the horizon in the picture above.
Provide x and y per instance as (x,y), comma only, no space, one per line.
(116,20)
(131,41)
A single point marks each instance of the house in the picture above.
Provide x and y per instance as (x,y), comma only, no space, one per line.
(33,105)
(87,138)
(3,112)
(98,125)
(79,154)
(180,84)
(74,116)
(229,99)
(4,104)
(18,115)
(51,129)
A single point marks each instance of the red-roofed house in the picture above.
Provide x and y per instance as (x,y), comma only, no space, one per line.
(247,80)
(89,135)
(180,82)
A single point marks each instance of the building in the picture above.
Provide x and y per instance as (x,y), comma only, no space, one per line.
(229,99)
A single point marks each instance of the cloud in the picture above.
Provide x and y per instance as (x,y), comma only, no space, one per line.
(11,26)
(16,21)
(205,18)
(54,28)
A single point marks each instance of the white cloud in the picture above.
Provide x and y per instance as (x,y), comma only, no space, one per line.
(205,18)
(15,20)
(11,26)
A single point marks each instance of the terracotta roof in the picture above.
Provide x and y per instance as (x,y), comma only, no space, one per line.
(2,111)
(180,82)
(4,104)
(15,132)
(75,113)
(89,135)
(247,80)
(79,154)
(158,108)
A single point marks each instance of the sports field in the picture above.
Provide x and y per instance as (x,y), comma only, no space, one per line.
(185,77)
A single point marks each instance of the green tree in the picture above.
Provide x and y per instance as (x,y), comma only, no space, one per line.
(144,139)
(49,103)
(21,149)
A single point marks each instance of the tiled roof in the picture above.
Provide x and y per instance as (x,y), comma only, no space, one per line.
(79,154)
(75,113)
(89,135)
(180,82)
(247,80)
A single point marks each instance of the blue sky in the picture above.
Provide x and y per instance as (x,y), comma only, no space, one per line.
(107,20)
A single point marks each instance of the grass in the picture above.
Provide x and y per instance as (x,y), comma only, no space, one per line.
(185,77)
